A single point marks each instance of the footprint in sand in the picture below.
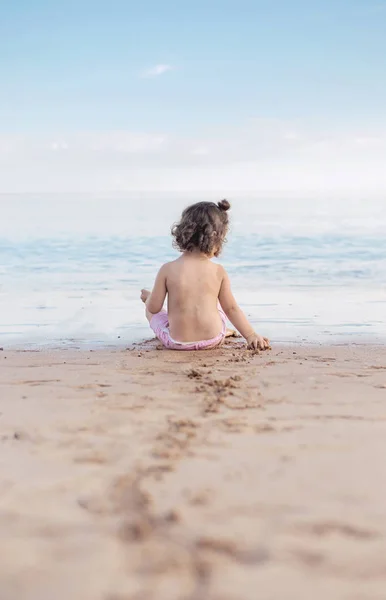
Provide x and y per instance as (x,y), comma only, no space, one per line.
(175,441)
(219,392)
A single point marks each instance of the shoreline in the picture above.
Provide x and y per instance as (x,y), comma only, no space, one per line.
(170,475)
(121,345)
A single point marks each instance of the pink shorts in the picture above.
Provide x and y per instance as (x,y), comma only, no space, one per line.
(160,325)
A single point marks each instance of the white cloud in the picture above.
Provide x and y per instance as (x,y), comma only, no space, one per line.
(156,71)
(201,151)
(59,145)
(267,156)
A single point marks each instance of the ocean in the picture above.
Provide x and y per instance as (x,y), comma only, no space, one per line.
(304,270)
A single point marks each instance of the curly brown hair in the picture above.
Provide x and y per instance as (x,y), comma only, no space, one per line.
(203,227)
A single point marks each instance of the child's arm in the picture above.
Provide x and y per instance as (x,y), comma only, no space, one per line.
(155,301)
(238,318)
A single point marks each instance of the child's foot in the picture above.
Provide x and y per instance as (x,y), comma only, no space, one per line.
(144,295)
(232,333)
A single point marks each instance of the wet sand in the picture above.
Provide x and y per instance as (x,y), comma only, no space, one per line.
(151,475)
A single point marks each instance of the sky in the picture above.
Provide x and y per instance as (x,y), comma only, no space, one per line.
(268,96)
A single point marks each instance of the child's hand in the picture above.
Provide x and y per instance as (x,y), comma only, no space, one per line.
(257,342)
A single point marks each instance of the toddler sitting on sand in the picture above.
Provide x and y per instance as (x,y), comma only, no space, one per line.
(199,291)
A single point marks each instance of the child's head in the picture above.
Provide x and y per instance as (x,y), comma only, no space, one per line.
(203,227)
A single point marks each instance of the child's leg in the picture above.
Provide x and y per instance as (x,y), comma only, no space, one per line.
(228,332)
(159,322)
(144,296)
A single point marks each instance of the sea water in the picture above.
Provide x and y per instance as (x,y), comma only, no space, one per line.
(71,267)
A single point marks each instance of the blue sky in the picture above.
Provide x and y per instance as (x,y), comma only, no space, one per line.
(168,90)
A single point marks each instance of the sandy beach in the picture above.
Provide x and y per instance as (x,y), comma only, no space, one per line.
(144,474)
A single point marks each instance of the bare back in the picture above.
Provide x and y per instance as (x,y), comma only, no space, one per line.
(193,284)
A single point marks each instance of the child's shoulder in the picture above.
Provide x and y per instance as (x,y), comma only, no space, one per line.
(169,266)
(219,269)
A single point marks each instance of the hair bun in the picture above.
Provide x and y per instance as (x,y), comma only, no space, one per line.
(224,205)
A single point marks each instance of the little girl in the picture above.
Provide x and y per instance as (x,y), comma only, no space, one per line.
(199,291)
